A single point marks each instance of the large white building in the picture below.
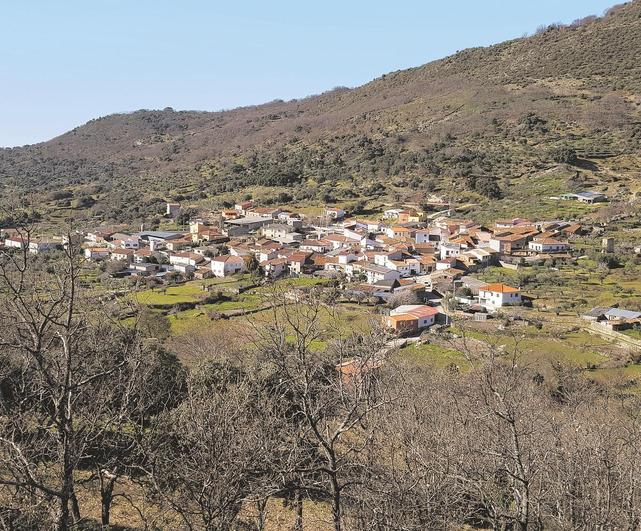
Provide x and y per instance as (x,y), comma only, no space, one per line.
(374,273)
(548,245)
(495,296)
(223,266)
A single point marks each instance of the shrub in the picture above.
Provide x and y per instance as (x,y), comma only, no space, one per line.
(564,155)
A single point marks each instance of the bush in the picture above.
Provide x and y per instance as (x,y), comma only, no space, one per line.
(608,261)
(564,155)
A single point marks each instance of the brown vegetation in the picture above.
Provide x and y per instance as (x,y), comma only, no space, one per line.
(483,121)
(97,415)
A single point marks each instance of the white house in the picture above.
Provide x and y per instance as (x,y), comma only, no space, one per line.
(184,268)
(274,268)
(398,232)
(337,240)
(476,257)
(425,315)
(357,234)
(122,255)
(548,245)
(275,231)
(14,242)
(422,235)
(262,255)
(143,255)
(383,258)
(223,266)
(186,259)
(39,246)
(414,265)
(130,243)
(392,213)
(334,213)
(143,268)
(369,225)
(318,246)
(281,232)
(346,256)
(243,206)
(374,273)
(494,296)
(97,253)
(449,250)
(404,269)
(429,234)
(263,213)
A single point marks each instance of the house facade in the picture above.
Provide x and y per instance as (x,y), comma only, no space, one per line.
(410,318)
(548,245)
(224,266)
(495,296)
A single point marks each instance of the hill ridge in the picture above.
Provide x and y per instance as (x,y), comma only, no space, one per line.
(499,111)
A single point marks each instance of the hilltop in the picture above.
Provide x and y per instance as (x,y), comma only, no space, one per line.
(510,123)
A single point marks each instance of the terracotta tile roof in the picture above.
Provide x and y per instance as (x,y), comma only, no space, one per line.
(499,288)
(424,311)
(226,258)
(549,241)
(402,317)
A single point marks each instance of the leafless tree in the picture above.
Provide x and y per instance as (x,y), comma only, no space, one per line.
(71,371)
(399,298)
(331,390)
(214,453)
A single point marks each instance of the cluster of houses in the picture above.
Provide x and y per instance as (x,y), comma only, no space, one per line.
(403,251)
(156,253)
(614,319)
(33,245)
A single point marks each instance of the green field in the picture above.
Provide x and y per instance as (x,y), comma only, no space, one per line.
(192,291)
(431,355)
(194,319)
(634,333)
(572,289)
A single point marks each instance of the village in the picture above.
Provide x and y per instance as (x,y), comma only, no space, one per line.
(418,266)
(323,266)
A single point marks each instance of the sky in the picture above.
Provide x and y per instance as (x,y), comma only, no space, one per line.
(64,62)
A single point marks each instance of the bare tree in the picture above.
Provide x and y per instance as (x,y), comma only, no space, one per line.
(331,391)
(399,298)
(214,453)
(65,356)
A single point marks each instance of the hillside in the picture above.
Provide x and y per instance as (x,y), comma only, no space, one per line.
(486,123)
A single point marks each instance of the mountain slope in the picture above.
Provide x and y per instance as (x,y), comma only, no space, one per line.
(486,122)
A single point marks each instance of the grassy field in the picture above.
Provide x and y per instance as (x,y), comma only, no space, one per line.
(560,295)
(202,317)
(628,378)
(595,357)
(124,515)
(435,356)
(340,321)
(574,288)
(192,291)
(633,333)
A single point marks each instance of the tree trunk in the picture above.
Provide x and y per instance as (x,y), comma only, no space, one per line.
(107,483)
(75,507)
(63,517)
(336,503)
(66,490)
(298,526)
(261,505)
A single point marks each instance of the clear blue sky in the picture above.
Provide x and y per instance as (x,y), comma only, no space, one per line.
(64,62)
